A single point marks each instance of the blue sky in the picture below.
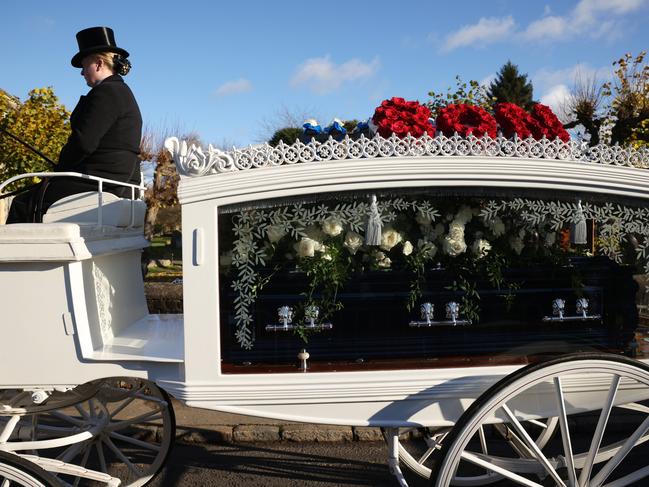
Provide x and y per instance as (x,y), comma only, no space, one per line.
(227,71)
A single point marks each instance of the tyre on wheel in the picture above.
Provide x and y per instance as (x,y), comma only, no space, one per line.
(18,472)
(133,427)
(596,443)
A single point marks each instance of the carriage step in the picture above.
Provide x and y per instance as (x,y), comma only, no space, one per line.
(57,466)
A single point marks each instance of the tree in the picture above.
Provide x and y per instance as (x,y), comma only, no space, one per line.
(471,93)
(629,107)
(584,107)
(162,191)
(511,86)
(288,135)
(41,121)
(616,111)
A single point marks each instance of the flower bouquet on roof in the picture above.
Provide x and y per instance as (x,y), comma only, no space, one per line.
(401,117)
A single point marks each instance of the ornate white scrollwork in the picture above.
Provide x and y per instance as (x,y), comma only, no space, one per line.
(193,161)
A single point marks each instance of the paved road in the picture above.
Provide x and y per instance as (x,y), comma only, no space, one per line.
(286,464)
(280,464)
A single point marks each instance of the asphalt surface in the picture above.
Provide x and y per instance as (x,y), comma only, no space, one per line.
(280,464)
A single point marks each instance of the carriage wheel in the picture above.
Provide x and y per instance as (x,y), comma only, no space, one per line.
(419,454)
(136,428)
(18,472)
(593,448)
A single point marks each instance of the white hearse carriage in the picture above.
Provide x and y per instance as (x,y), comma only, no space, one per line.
(479,291)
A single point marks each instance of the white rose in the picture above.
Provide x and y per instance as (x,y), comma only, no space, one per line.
(516,244)
(275,233)
(481,247)
(382,260)
(389,238)
(454,246)
(407,248)
(332,227)
(353,241)
(327,256)
(307,247)
(314,233)
(464,215)
(456,230)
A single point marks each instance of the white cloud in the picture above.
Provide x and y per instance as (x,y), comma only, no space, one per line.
(321,75)
(594,18)
(587,11)
(556,97)
(241,85)
(547,27)
(486,31)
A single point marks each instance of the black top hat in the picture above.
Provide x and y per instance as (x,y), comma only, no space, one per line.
(96,39)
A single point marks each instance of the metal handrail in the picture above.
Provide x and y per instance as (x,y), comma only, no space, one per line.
(100,188)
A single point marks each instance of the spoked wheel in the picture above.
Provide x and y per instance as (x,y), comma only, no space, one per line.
(17,472)
(419,453)
(132,428)
(596,445)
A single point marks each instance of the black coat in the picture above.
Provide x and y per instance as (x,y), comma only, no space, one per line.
(105,141)
(106,130)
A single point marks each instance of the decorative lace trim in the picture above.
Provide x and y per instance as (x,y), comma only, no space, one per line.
(192,160)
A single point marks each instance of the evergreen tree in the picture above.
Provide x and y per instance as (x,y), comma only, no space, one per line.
(288,135)
(511,86)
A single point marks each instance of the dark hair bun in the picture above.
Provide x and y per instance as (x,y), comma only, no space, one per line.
(122,65)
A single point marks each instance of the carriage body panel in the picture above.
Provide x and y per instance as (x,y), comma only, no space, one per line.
(192,356)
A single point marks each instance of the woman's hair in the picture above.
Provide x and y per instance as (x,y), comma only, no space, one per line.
(116,63)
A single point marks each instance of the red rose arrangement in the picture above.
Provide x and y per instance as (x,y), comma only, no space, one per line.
(401,117)
(512,119)
(466,119)
(548,124)
(541,122)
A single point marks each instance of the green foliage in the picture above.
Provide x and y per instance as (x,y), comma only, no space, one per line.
(616,111)
(470,297)
(350,125)
(41,121)
(288,135)
(472,94)
(327,274)
(629,107)
(512,87)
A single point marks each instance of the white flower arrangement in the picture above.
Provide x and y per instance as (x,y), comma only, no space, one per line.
(353,241)
(389,238)
(464,215)
(332,227)
(481,247)
(454,243)
(310,234)
(407,248)
(307,247)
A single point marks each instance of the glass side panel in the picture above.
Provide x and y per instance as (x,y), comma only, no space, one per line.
(429,278)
